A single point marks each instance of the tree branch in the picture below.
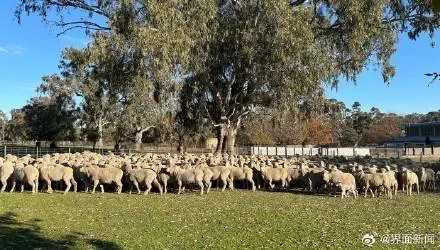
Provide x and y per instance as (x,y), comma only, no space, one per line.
(81,27)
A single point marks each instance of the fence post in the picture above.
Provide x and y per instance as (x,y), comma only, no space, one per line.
(267,150)
(69,150)
(36,153)
(4,152)
(285,150)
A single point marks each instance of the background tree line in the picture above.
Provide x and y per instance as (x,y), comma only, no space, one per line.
(184,70)
(336,125)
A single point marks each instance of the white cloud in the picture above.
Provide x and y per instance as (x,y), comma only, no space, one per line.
(12,49)
(18,50)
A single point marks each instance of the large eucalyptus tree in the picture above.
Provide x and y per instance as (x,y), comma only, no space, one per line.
(237,55)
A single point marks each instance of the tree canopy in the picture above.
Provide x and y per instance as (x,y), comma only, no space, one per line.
(225,59)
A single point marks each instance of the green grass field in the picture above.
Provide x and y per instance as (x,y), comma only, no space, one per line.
(230,220)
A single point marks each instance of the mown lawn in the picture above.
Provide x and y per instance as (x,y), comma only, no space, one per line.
(230,220)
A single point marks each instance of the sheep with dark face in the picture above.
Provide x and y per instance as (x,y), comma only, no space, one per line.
(103,176)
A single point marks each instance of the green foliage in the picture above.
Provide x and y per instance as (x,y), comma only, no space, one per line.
(235,57)
(48,120)
(16,128)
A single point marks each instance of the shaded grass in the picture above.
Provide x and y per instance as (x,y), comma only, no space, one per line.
(230,220)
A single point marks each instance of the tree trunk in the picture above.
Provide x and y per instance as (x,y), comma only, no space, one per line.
(100,129)
(220,138)
(138,140)
(181,145)
(138,136)
(231,134)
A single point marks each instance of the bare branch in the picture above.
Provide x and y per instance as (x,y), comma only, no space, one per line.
(79,27)
(434,76)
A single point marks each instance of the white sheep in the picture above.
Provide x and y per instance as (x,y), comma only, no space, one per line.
(25,174)
(186,176)
(409,180)
(146,176)
(6,170)
(57,173)
(103,175)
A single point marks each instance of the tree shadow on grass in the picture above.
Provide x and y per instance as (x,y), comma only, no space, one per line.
(27,235)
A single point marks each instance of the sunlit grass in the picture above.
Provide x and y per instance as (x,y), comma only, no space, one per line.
(230,220)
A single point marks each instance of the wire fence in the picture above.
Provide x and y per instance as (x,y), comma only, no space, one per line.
(36,152)
(243,150)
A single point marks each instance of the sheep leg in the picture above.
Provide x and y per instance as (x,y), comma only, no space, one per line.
(95,184)
(252,184)
(372,194)
(32,186)
(208,186)
(231,183)
(271,186)
(86,184)
(417,186)
(13,186)
(102,188)
(165,184)
(136,184)
(4,183)
(366,191)
(179,182)
(22,188)
(49,186)
(75,185)
(200,183)
(68,185)
(119,183)
(157,184)
(148,188)
(225,183)
(130,187)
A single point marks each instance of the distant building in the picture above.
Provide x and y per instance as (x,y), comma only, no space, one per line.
(423,129)
(419,134)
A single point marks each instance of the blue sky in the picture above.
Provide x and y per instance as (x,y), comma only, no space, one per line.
(32,49)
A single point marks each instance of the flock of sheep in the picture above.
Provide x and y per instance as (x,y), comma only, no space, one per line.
(163,172)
